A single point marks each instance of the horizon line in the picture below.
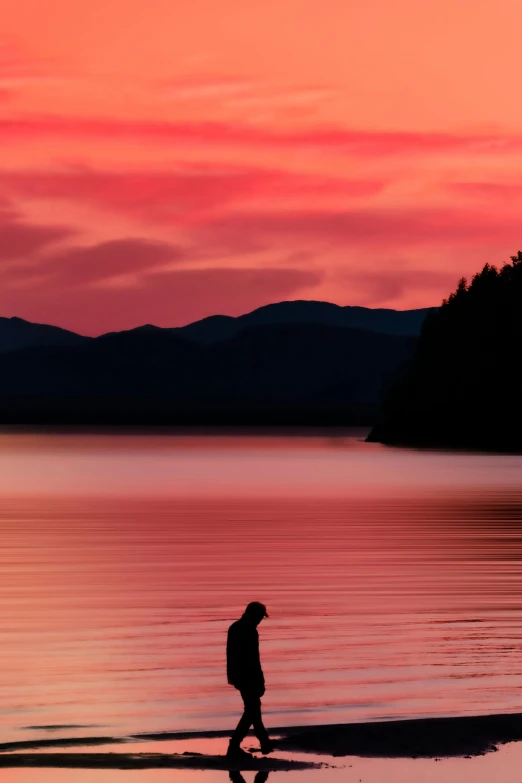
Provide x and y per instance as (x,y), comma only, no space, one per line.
(214,315)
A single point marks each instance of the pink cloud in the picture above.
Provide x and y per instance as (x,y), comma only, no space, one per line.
(176,195)
(204,88)
(373,143)
(393,228)
(78,265)
(241,92)
(166,299)
(18,66)
(54,284)
(487,191)
(384,288)
(19,239)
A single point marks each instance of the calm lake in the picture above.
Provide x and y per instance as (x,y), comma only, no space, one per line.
(393,580)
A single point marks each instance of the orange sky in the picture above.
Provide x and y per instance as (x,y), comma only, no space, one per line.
(163,160)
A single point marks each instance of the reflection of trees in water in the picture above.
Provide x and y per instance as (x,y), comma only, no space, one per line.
(236,776)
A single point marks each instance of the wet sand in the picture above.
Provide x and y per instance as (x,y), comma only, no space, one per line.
(428,738)
(420,738)
(417,738)
(149,761)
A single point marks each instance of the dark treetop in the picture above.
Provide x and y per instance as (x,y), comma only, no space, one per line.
(463,387)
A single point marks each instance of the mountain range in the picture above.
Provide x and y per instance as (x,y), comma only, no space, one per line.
(291,362)
(15,333)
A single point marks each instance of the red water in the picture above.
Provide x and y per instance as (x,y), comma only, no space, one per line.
(393,580)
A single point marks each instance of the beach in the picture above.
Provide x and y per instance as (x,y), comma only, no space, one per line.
(437,749)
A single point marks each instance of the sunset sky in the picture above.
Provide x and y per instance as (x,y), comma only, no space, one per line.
(163,160)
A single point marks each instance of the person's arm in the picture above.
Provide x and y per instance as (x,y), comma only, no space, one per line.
(260,676)
(232,658)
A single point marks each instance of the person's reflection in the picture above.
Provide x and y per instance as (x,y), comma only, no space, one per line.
(236,776)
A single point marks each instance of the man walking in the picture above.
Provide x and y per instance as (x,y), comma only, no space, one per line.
(244,672)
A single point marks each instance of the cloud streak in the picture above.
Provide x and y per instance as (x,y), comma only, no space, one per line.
(379,227)
(21,239)
(487,191)
(386,286)
(95,263)
(333,139)
(176,195)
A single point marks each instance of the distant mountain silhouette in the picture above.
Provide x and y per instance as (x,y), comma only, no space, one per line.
(222,327)
(463,387)
(266,374)
(217,328)
(290,362)
(15,333)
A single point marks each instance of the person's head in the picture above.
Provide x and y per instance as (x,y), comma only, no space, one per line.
(255,612)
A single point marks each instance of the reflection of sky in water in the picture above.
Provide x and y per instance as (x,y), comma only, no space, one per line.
(393,580)
(237,466)
(503,766)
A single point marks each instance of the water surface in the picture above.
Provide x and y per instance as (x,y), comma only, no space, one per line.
(393,580)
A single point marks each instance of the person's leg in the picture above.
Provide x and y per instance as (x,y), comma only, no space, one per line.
(257,720)
(245,722)
(251,716)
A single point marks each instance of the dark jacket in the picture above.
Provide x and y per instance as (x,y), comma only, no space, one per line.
(243,663)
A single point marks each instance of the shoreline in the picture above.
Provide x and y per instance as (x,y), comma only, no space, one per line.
(411,738)
(467,736)
(135,761)
(312,429)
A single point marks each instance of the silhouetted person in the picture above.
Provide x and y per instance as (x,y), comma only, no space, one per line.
(244,672)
